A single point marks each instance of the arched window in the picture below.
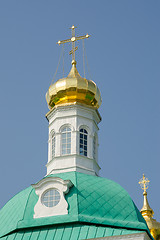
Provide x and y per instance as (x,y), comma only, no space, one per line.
(83,142)
(53,144)
(94,147)
(66,141)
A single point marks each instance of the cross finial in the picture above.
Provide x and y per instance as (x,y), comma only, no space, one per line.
(73,39)
(144,182)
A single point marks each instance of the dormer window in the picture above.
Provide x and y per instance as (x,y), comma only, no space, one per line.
(66,141)
(51,193)
(83,142)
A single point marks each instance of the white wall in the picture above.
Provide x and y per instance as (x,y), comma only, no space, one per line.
(75,116)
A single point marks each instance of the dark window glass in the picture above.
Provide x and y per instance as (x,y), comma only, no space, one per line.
(83,142)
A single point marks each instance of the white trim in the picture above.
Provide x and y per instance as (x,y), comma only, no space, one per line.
(58,109)
(62,186)
(84,127)
(66,125)
(69,130)
(61,158)
(73,163)
(52,131)
(75,115)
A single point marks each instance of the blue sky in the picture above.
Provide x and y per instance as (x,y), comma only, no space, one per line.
(123,53)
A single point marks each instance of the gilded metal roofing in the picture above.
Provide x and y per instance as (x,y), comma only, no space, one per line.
(92,200)
(147,212)
(73,88)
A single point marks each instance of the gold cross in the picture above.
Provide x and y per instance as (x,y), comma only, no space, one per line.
(73,39)
(144,182)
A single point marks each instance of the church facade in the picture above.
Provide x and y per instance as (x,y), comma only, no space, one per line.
(72,201)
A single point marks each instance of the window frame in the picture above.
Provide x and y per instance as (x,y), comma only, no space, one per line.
(66,137)
(54,202)
(83,142)
(95,147)
(53,145)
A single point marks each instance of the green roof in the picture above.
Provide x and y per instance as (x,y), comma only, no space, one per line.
(92,200)
(67,232)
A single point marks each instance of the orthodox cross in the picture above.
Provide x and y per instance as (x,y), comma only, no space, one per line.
(73,39)
(144,182)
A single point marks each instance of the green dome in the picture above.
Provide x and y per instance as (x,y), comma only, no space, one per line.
(93,201)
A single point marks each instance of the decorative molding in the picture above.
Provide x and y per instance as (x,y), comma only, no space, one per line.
(88,109)
(74,115)
(71,106)
(85,127)
(62,186)
(73,155)
(66,125)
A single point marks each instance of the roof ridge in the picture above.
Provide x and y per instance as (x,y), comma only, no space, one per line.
(77,193)
(26,205)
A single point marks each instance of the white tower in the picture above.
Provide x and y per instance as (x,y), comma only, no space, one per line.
(73,122)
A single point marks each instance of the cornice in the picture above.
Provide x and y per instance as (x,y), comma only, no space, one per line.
(61,108)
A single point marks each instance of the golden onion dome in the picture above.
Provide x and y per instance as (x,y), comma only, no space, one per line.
(147,212)
(72,89)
